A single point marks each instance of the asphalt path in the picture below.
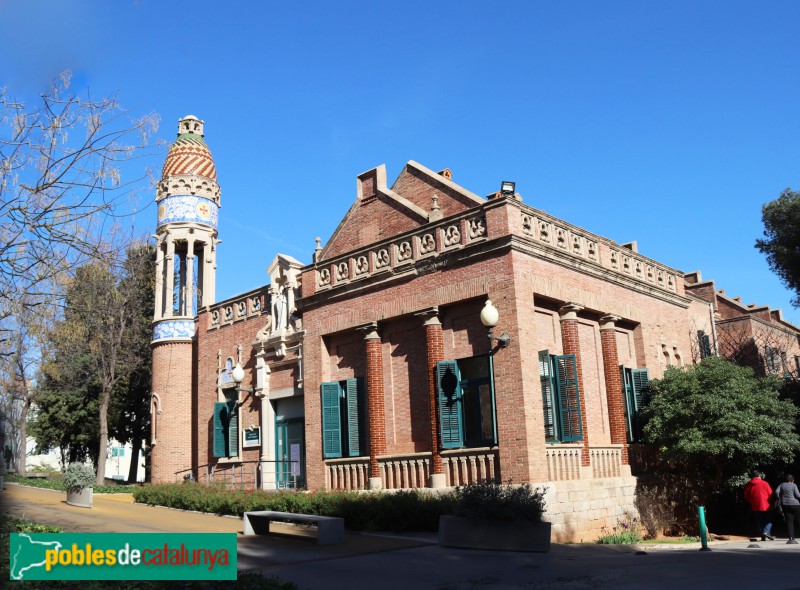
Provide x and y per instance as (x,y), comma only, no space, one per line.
(414,561)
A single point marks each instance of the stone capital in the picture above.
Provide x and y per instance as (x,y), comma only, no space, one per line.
(569,311)
(608,322)
(430,315)
(370,330)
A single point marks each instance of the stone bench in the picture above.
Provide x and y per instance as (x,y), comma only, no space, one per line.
(330,529)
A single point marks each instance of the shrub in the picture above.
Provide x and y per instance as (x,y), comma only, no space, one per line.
(496,501)
(373,511)
(627,532)
(79,476)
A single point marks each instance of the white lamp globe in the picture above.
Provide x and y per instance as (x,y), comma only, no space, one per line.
(489,315)
(238,373)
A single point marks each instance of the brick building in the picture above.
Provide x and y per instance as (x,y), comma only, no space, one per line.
(371,366)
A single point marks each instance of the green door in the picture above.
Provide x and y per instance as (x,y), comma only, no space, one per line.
(290,453)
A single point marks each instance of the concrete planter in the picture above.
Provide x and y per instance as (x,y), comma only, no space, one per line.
(80,497)
(474,533)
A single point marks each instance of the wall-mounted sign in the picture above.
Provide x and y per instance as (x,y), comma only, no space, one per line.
(252,438)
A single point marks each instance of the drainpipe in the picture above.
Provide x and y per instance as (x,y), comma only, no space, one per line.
(713,327)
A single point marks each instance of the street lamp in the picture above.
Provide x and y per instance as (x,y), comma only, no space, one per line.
(238,376)
(489,318)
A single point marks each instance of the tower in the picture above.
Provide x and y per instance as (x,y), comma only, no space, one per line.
(188,203)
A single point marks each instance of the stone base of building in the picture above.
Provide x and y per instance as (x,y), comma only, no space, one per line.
(580,509)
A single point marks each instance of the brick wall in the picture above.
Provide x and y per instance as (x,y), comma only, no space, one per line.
(172,383)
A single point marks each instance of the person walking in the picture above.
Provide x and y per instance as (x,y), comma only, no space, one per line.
(789,497)
(757,493)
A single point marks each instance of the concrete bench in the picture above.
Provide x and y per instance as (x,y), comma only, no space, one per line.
(330,529)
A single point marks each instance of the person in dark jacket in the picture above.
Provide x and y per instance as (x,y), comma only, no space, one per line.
(789,497)
(757,493)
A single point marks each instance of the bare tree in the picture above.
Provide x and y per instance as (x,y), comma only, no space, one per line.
(21,355)
(63,180)
(750,342)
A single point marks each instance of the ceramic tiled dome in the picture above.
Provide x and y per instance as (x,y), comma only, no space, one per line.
(190,154)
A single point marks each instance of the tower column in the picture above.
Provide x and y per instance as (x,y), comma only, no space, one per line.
(169,300)
(159,309)
(188,300)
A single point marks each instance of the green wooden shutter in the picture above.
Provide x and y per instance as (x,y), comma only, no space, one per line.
(569,398)
(220,420)
(451,429)
(353,430)
(233,429)
(641,392)
(630,400)
(548,400)
(331,420)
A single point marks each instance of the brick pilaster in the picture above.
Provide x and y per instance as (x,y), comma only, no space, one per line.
(434,345)
(375,400)
(614,391)
(571,344)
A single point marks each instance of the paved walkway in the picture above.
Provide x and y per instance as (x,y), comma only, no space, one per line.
(401,562)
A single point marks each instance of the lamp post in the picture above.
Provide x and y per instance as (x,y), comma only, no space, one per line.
(489,318)
(238,376)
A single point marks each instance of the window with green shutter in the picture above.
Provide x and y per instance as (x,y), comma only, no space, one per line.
(561,397)
(220,429)
(343,418)
(548,396)
(231,398)
(450,420)
(466,403)
(636,389)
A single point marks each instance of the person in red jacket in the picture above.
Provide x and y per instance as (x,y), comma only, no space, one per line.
(757,493)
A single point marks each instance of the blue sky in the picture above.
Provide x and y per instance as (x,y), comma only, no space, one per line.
(667,123)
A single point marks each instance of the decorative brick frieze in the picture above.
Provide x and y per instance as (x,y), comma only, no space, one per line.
(239,308)
(579,243)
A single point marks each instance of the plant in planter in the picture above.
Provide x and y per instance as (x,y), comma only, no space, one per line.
(490,515)
(79,479)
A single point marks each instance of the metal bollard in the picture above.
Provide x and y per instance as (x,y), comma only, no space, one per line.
(701,514)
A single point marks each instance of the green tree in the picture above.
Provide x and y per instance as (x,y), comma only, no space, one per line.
(720,415)
(129,410)
(781,243)
(101,349)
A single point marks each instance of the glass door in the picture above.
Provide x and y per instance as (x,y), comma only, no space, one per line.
(290,453)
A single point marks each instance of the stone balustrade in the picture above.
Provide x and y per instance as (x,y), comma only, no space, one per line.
(466,466)
(347,474)
(606,461)
(405,471)
(563,462)
(408,471)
